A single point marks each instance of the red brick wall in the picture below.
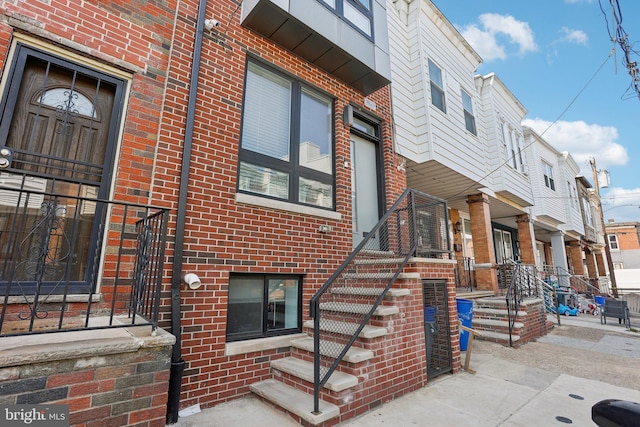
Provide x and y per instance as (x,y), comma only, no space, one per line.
(627,237)
(110,388)
(223,236)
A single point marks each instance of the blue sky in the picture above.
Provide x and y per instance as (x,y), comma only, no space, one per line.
(548,52)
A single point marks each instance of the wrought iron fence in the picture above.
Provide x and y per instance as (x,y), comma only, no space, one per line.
(465,274)
(524,283)
(70,263)
(416,225)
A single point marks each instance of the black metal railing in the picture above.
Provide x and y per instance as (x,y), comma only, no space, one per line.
(465,274)
(416,225)
(578,283)
(524,283)
(71,263)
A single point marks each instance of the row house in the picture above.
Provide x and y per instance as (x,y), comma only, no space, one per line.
(224,171)
(462,138)
(512,196)
(624,242)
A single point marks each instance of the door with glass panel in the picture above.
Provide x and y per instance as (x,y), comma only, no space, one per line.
(58,130)
(365,190)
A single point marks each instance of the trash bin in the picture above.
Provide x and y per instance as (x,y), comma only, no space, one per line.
(465,314)
(430,328)
(599,300)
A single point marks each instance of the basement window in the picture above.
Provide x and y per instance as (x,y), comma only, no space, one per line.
(263,306)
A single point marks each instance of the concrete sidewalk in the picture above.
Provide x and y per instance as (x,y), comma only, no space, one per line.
(550,382)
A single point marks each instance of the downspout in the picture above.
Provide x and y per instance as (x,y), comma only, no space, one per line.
(177,362)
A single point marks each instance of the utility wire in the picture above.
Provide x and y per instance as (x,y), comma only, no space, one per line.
(509,159)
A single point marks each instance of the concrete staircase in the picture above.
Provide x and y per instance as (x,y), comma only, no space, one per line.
(490,317)
(291,385)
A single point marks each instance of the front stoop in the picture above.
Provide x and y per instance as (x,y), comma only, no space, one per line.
(491,319)
(295,401)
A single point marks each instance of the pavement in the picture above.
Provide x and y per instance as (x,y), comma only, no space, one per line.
(553,381)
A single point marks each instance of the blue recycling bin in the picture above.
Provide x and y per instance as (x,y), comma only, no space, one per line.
(465,314)
(430,329)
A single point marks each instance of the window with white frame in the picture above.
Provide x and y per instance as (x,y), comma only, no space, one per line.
(613,242)
(521,157)
(357,12)
(469,118)
(586,207)
(286,145)
(262,306)
(437,87)
(547,171)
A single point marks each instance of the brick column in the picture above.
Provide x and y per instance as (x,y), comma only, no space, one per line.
(602,271)
(592,271)
(485,257)
(575,254)
(526,239)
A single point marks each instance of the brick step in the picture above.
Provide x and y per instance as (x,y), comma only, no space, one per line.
(338,381)
(345,328)
(381,310)
(295,401)
(354,355)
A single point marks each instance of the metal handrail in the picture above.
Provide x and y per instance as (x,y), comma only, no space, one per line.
(524,283)
(412,225)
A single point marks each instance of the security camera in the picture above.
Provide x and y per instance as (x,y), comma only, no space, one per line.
(210,24)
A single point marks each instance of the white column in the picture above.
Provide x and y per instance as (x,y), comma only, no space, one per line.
(559,255)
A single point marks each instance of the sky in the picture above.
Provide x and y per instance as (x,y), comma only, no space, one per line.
(559,59)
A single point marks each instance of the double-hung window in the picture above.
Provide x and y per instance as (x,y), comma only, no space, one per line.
(357,12)
(586,207)
(263,306)
(613,242)
(547,170)
(286,146)
(469,118)
(437,86)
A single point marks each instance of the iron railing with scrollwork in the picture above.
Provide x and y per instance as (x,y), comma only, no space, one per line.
(72,263)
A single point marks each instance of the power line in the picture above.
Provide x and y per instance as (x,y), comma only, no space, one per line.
(619,36)
(509,159)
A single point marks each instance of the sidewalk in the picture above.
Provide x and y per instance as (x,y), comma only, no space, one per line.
(544,383)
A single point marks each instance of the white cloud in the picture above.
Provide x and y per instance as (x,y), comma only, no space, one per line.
(497,32)
(573,36)
(583,141)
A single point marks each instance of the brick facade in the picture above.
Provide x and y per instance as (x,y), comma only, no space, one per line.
(106,379)
(485,257)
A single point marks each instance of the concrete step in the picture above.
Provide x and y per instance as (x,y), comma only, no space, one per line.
(381,310)
(295,401)
(361,291)
(375,261)
(354,355)
(345,328)
(499,326)
(338,381)
(497,337)
(380,276)
(494,312)
(474,294)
